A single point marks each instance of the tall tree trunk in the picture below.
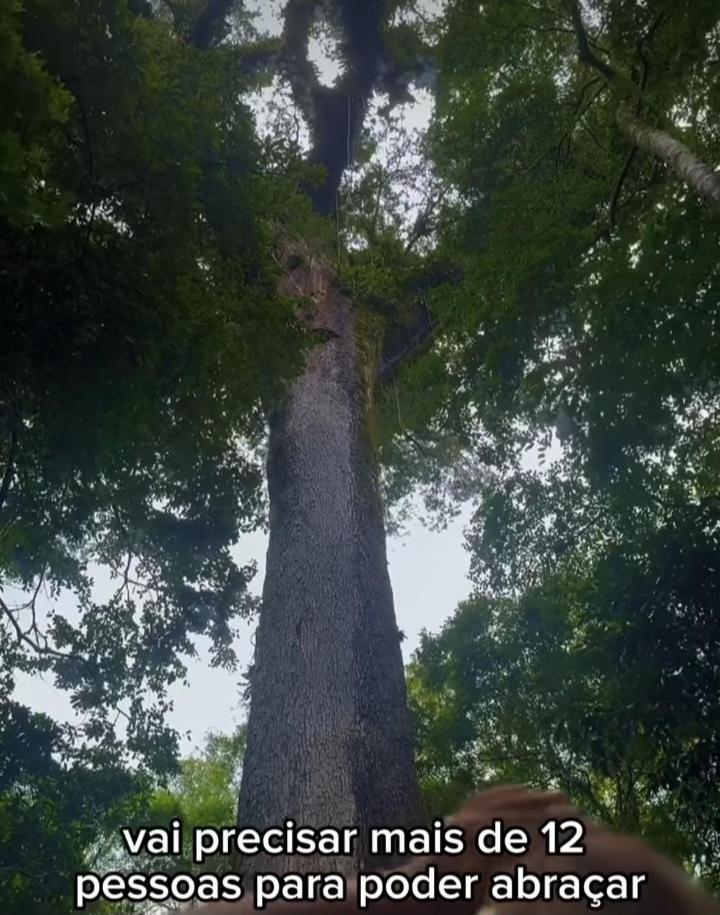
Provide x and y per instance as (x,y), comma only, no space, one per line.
(697,175)
(328,735)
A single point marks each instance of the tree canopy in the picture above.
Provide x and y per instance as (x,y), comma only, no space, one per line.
(587,657)
(142,331)
(600,680)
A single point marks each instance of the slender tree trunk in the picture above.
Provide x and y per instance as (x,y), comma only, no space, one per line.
(697,175)
(700,177)
(328,735)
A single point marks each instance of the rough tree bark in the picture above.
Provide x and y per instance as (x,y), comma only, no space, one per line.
(329,741)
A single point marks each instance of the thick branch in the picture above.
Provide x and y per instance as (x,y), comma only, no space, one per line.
(335,114)
(205,32)
(211,25)
(9,469)
(585,53)
(696,174)
(299,70)
(627,165)
(405,341)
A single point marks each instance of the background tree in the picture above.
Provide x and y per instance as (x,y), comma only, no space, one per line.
(59,806)
(601,680)
(203,793)
(585,333)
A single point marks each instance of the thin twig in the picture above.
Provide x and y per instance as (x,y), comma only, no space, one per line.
(619,185)
(39,649)
(9,468)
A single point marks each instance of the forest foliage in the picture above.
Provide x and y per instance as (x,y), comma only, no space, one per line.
(565,287)
(587,657)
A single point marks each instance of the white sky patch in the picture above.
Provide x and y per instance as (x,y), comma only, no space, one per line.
(324,54)
(412,116)
(423,14)
(429,571)
(540,456)
(277,115)
(417,114)
(267,14)
(398,137)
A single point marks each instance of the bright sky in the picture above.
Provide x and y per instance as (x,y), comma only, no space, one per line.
(429,575)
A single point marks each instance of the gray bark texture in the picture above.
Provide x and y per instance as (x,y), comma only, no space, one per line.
(329,741)
(697,175)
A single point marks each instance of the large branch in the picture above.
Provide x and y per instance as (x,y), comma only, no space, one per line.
(211,26)
(406,340)
(204,32)
(335,115)
(700,177)
(299,17)
(585,52)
